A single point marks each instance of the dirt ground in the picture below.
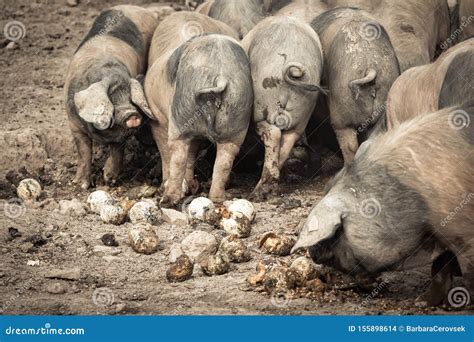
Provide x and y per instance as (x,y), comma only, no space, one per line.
(36,240)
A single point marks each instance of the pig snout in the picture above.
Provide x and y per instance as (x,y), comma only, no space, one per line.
(133,120)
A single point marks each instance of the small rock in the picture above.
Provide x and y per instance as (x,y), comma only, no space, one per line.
(29,189)
(73,207)
(120,307)
(13,233)
(143,238)
(56,288)
(72,3)
(175,252)
(32,263)
(174,217)
(106,250)
(181,270)
(26,247)
(199,244)
(69,274)
(109,240)
(110,258)
(12,46)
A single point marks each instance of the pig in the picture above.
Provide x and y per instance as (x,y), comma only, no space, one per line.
(241,15)
(466,19)
(286,59)
(304,10)
(360,67)
(415,28)
(396,204)
(198,86)
(427,88)
(105,101)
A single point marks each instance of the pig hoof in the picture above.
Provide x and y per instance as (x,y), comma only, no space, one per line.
(193,186)
(168,203)
(83,183)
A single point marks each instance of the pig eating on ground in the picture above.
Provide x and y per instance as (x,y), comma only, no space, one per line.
(198,86)
(408,191)
(360,67)
(286,61)
(104,100)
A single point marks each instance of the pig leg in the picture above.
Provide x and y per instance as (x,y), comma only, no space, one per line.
(193,184)
(271,138)
(442,271)
(177,170)
(160,134)
(113,165)
(84,150)
(226,153)
(466,263)
(347,139)
(288,141)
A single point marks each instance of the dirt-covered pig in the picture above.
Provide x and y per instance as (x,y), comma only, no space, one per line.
(286,61)
(407,192)
(198,86)
(360,67)
(427,88)
(104,100)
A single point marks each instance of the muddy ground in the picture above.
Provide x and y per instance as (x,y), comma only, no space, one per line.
(36,239)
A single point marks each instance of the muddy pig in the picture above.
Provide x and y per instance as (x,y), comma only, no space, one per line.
(287,61)
(105,101)
(427,88)
(360,67)
(198,86)
(397,202)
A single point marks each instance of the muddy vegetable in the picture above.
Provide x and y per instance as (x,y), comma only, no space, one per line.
(198,208)
(235,249)
(215,264)
(237,224)
(180,270)
(144,211)
(29,189)
(241,206)
(304,268)
(113,214)
(277,244)
(143,238)
(99,198)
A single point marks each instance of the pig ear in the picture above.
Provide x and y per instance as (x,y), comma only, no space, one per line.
(138,97)
(322,223)
(93,105)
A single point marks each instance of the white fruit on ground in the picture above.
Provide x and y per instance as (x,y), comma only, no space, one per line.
(237,224)
(242,206)
(99,198)
(198,208)
(112,213)
(29,189)
(144,211)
